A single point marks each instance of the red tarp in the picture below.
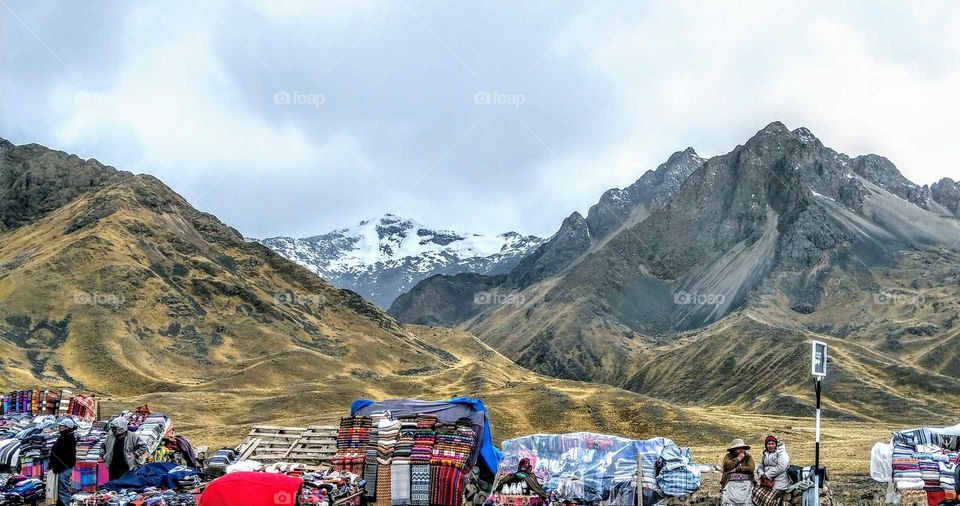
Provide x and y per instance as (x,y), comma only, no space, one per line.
(253,489)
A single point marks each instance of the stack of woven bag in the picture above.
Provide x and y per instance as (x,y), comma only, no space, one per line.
(450,462)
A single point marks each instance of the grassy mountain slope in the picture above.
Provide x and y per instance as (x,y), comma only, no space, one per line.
(714,297)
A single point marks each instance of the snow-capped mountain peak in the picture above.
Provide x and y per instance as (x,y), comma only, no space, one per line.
(383,257)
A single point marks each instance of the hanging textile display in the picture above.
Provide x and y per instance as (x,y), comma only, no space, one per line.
(352,438)
(584,467)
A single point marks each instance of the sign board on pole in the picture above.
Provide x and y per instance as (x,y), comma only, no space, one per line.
(819,359)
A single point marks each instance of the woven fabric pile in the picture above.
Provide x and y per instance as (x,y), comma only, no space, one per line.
(420,455)
(400,475)
(906,468)
(152,430)
(388,431)
(34,451)
(450,461)
(149,497)
(89,472)
(926,468)
(54,402)
(371,465)
(218,462)
(352,437)
(9,453)
(20,489)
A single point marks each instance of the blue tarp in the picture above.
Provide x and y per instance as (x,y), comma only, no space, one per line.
(446,411)
(157,474)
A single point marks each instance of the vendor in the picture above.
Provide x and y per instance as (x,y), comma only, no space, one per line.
(121,450)
(736,484)
(63,458)
(525,478)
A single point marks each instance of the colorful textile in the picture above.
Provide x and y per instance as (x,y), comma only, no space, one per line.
(384,484)
(352,438)
(420,484)
(449,464)
(448,483)
(766,496)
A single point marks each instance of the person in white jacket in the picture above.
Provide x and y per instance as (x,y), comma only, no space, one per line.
(772,478)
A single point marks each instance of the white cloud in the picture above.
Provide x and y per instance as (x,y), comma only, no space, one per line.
(610,92)
(866,78)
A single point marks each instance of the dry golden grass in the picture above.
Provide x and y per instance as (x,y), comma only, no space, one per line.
(240,356)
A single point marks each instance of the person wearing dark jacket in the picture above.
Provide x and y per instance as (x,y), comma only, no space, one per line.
(63,457)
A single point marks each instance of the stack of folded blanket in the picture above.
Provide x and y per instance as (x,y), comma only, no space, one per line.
(151,431)
(451,461)
(89,472)
(948,478)
(352,440)
(388,431)
(420,455)
(371,465)
(400,473)
(218,462)
(9,454)
(930,473)
(906,468)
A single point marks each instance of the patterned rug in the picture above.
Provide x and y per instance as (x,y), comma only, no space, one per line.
(420,484)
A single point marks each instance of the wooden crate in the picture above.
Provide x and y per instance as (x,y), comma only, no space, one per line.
(311,446)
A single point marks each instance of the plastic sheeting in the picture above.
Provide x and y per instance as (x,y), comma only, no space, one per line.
(587,468)
(445,411)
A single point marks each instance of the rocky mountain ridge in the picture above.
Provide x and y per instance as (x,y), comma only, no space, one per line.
(782,236)
(384,257)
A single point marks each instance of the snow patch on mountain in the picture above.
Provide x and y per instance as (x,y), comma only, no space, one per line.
(384,257)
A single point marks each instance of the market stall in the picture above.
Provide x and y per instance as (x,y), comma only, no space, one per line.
(417,453)
(588,468)
(919,465)
(55,402)
(28,430)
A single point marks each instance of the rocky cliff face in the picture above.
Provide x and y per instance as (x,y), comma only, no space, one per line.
(617,210)
(36,180)
(947,193)
(782,230)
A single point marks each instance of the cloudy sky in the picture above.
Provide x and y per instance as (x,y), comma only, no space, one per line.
(293,118)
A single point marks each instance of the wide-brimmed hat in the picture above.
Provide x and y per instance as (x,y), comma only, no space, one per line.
(738,443)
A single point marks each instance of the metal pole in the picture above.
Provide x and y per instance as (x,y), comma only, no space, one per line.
(816,458)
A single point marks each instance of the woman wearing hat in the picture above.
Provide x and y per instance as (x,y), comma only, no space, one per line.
(737,480)
(772,473)
(63,457)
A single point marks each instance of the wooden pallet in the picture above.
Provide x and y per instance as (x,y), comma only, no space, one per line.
(311,446)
